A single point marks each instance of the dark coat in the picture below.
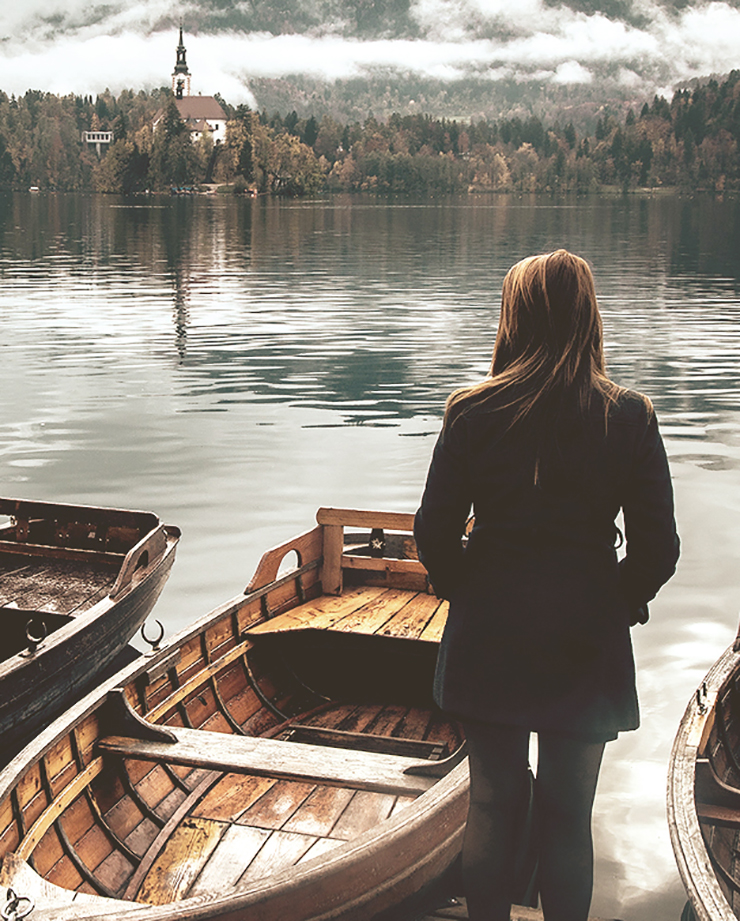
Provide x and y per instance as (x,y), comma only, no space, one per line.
(538,632)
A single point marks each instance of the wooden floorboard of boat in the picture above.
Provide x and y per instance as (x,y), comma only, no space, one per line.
(60,585)
(385,611)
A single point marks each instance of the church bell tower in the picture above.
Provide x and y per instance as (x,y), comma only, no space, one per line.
(181,74)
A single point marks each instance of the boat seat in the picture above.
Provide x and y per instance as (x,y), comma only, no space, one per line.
(359,770)
(363,741)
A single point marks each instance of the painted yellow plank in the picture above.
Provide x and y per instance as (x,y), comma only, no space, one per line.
(181,860)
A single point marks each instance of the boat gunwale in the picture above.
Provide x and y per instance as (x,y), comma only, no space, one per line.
(695,867)
(443,794)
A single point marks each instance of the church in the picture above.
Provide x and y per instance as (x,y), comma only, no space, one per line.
(203,115)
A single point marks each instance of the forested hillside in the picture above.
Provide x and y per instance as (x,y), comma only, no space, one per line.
(689,142)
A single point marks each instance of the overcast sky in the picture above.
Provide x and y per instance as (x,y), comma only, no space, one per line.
(72,46)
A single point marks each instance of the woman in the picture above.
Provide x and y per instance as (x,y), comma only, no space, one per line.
(547,451)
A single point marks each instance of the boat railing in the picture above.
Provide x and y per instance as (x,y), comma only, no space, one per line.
(379,559)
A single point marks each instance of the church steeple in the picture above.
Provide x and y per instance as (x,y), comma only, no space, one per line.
(181,74)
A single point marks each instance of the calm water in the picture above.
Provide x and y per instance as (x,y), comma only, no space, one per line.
(233,365)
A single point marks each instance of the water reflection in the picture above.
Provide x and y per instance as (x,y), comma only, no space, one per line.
(234,364)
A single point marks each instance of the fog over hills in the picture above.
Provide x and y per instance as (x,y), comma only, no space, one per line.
(458,58)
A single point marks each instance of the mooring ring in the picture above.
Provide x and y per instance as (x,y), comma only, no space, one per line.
(153,643)
(35,641)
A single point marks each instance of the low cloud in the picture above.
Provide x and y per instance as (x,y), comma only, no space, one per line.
(83,49)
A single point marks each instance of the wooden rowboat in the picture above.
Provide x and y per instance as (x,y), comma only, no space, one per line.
(280,760)
(76,583)
(704,794)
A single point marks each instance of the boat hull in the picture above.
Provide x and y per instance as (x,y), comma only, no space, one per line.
(36,684)
(228,776)
(703,796)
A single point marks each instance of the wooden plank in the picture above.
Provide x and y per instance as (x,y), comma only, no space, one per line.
(320,848)
(331,568)
(57,807)
(386,723)
(434,629)
(60,586)
(381,564)
(114,872)
(181,860)
(281,851)
(365,518)
(412,619)
(362,741)
(140,838)
(233,854)
(360,718)
(60,553)
(416,723)
(307,547)
(196,680)
(320,614)
(269,757)
(164,834)
(274,808)
(365,811)
(319,812)
(232,796)
(718,815)
(372,617)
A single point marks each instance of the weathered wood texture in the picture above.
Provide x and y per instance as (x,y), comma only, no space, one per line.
(702,777)
(267,757)
(83,580)
(376,611)
(273,799)
(62,586)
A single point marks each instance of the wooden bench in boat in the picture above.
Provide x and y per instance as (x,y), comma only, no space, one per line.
(220,751)
(388,612)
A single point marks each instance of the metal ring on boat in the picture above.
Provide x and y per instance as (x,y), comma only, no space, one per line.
(35,641)
(155,642)
(11,910)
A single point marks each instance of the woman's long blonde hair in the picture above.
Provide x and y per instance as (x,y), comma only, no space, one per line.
(549,340)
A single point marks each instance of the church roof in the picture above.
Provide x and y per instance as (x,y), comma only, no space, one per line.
(199,107)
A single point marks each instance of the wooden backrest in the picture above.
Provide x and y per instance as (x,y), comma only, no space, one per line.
(382,569)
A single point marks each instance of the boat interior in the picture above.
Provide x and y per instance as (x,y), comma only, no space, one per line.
(288,722)
(717,789)
(56,562)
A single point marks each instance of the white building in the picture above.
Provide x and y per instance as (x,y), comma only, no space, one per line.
(203,115)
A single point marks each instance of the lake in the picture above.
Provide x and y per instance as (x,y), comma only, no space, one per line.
(234,364)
